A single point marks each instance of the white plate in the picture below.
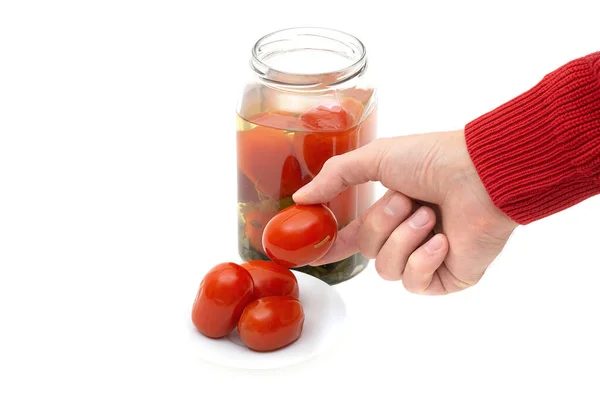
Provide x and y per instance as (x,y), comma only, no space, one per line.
(324,316)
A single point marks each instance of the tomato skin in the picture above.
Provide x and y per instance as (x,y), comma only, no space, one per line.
(265,155)
(271,279)
(333,134)
(291,177)
(314,149)
(300,234)
(223,294)
(271,323)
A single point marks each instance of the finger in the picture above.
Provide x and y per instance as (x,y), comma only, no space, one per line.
(346,243)
(451,282)
(340,172)
(405,239)
(385,216)
(420,273)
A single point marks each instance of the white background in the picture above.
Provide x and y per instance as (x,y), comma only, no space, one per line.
(117,192)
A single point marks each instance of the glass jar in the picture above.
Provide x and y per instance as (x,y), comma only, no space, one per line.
(308,98)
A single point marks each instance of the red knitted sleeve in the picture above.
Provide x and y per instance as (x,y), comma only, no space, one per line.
(539,153)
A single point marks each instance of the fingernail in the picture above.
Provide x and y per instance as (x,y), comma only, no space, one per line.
(299,193)
(434,244)
(419,219)
(395,206)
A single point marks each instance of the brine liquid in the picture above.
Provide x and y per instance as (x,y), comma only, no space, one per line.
(276,157)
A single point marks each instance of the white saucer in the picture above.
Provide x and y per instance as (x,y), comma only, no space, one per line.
(324,312)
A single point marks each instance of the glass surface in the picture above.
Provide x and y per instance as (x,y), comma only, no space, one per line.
(308,100)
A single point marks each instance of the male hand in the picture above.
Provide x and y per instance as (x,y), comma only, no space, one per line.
(436,227)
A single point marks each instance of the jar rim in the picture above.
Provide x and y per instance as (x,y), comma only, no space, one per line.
(348,45)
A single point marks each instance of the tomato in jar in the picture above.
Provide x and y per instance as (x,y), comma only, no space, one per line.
(290,124)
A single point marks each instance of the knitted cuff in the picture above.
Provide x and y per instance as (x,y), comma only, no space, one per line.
(539,153)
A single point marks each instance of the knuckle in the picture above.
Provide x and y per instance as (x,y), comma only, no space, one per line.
(417,283)
(331,163)
(367,244)
(429,161)
(385,270)
(365,249)
(380,268)
(380,148)
(461,283)
(376,224)
(398,238)
(412,288)
(409,268)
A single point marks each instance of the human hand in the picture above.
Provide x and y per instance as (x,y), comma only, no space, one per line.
(436,228)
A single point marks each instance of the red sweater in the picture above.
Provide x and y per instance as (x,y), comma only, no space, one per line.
(539,153)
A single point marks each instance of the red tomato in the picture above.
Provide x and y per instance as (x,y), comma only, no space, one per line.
(265,154)
(224,293)
(256,221)
(271,279)
(333,135)
(300,234)
(271,323)
(291,177)
(262,153)
(314,149)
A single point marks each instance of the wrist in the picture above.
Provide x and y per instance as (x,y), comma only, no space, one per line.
(467,179)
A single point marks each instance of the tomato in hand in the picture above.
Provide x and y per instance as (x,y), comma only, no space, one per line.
(223,294)
(271,323)
(300,234)
(271,279)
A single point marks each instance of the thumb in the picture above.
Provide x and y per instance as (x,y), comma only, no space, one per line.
(340,172)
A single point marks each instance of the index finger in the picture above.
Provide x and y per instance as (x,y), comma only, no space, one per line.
(340,172)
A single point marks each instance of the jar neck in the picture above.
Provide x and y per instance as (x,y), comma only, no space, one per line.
(313,58)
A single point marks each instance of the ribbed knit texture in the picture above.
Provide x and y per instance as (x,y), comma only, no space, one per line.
(539,153)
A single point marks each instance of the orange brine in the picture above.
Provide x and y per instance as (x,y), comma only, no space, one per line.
(279,151)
